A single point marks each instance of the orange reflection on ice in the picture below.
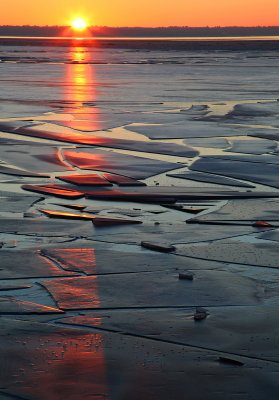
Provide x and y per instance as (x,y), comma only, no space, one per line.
(80,86)
(82,260)
(79,54)
(75,293)
(84,125)
(80,79)
(84,160)
(68,364)
(67,215)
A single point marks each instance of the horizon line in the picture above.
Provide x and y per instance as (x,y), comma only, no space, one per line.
(146,27)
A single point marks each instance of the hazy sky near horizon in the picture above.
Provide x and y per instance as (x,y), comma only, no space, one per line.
(141,12)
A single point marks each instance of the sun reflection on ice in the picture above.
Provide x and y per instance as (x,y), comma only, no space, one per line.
(80,88)
(80,77)
(72,363)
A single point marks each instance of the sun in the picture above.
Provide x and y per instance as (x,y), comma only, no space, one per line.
(79,24)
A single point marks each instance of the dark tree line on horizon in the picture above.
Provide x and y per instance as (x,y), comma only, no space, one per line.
(170,31)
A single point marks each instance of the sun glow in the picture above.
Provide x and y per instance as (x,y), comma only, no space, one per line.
(79,24)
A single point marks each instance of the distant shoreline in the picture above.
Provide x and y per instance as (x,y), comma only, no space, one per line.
(141,32)
(187,44)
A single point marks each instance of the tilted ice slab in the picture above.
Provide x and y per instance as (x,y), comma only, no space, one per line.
(266,174)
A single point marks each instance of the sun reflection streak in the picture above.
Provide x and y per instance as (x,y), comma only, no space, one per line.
(80,76)
(78,260)
(80,86)
(69,362)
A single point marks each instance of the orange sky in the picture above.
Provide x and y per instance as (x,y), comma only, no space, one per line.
(142,12)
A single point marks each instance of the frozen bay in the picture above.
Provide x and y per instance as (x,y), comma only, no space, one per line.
(136,276)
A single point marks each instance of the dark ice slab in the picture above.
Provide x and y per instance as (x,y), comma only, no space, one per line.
(264,254)
(121,180)
(265,174)
(158,246)
(265,159)
(86,179)
(210,178)
(250,210)
(20,172)
(158,289)
(228,329)
(271,134)
(78,207)
(42,359)
(55,190)
(123,164)
(159,194)
(252,146)
(14,202)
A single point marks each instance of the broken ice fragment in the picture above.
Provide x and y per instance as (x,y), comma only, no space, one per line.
(104,221)
(200,314)
(188,276)
(227,360)
(165,248)
(262,224)
(55,190)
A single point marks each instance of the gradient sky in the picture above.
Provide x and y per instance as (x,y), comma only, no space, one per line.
(142,12)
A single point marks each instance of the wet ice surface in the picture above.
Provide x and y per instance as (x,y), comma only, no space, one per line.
(87,310)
